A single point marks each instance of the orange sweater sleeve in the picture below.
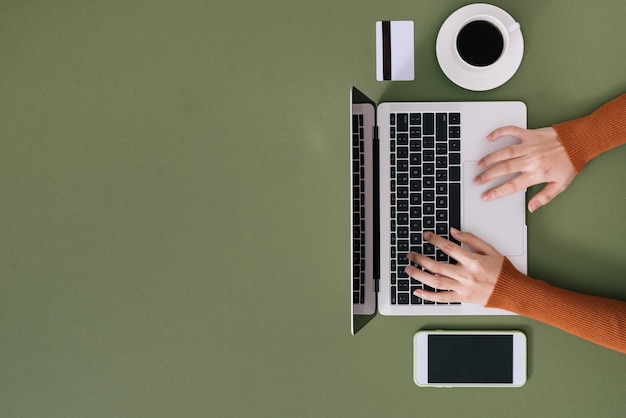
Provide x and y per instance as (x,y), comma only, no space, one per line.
(587,137)
(599,320)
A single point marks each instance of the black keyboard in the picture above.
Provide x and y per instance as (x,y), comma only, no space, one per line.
(358,210)
(425,175)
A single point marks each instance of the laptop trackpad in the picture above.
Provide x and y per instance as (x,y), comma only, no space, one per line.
(499,222)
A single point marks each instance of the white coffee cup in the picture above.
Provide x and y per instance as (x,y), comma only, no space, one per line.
(482,40)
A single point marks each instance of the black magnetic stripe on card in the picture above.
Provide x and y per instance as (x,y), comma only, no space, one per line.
(386,50)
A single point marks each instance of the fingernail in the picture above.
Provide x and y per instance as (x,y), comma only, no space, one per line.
(477,180)
(408,270)
(454,230)
(427,235)
(481,164)
(485,196)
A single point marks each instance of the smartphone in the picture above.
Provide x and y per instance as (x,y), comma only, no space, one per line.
(469,358)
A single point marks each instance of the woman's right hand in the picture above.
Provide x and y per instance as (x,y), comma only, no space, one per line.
(538,158)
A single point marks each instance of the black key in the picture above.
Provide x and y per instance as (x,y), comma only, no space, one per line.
(429,182)
(403,139)
(403,179)
(403,122)
(403,206)
(455,145)
(416,225)
(429,249)
(416,199)
(442,148)
(401,273)
(442,126)
(441,202)
(442,175)
(429,142)
(403,285)
(455,119)
(393,295)
(429,196)
(403,165)
(416,239)
(392,119)
(403,218)
(416,172)
(392,132)
(441,230)
(416,145)
(455,131)
(403,152)
(416,159)
(403,232)
(416,132)
(403,298)
(403,246)
(429,169)
(429,208)
(455,173)
(428,155)
(416,118)
(429,222)
(441,162)
(415,300)
(416,186)
(442,188)
(416,212)
(355,124)
(455,205)
(429,123)
(455,158)
(442,215)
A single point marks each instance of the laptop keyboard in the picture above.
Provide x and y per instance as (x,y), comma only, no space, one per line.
(425,161)
(358,209)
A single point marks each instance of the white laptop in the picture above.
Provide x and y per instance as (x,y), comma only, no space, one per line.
(412,167)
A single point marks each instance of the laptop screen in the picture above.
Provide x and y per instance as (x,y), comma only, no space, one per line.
(364,209)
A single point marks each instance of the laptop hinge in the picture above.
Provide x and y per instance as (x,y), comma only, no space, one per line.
(376,181)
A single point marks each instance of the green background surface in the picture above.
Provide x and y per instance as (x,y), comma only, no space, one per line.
(174,210)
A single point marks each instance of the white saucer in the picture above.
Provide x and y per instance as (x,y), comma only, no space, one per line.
(476,78)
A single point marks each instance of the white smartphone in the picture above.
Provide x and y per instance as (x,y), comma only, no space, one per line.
(469,358)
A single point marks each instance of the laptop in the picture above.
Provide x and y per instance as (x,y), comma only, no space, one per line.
(412,170)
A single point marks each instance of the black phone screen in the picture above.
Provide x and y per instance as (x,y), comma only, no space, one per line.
(470,358)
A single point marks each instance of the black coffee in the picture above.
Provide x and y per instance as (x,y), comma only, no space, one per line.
(480,43)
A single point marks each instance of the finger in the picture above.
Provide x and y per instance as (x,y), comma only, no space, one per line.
(445,296)
(503,154)
(433,266)
(473,242)
(517,183)
(433,280)
(450,248)
(514,131)
(549,192)
(500,169)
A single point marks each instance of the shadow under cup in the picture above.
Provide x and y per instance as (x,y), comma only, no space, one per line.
(480,43)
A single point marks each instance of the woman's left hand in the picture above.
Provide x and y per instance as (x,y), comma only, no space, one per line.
(471,280)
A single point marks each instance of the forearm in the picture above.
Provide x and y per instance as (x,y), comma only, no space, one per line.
(587,137)
(599,320)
